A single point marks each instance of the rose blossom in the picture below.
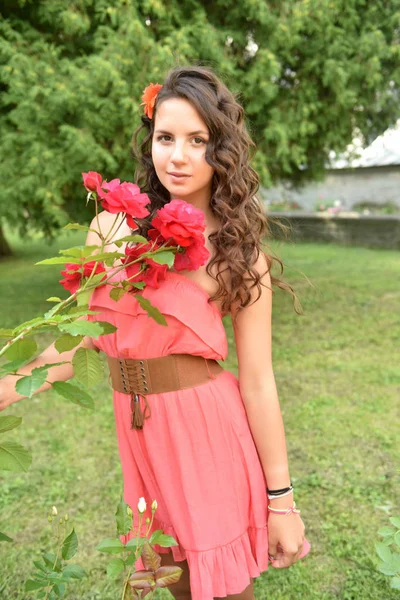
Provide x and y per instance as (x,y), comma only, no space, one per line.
(180,221)
(92,181)
(123,197)
(194,256)
(73,279)
(153,272)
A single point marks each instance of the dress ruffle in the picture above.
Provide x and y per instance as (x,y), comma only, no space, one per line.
(220,571)
(174,303)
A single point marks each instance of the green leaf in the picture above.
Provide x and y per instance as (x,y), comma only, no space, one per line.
(83,297)
(151,310)
(116,293)
(73,393)
(49,314)
(20,328)
(67,342)
(9,422)
(53,299)
(96,279)
(50,558)
(397,538)
(74,572)
(132,238)
(79,251)
(164,258)
(81,328)
(386,568)
(21,350)
(32,585)
(155,535)
(5,538)
(115,567)
(385,531)
(123,520)
(383,552)
(70,546)
(40,566)
(88,367)
(78,226)
(395,521)
(135,542)
(104,257)
(111,546)
(166,541)
(395,583)
(59,589)
(11,367)
(14,457)
(107,327)
(27,386)
(56,260)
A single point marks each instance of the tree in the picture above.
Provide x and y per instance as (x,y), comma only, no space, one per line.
(309,74)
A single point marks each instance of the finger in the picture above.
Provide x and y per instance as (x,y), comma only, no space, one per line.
(284,560)
(272,550)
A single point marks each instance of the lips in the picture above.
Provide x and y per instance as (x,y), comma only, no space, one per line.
(175,174)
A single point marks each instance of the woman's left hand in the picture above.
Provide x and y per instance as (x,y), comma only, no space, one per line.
(285,539)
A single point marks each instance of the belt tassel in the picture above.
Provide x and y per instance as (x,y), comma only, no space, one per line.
(138,417)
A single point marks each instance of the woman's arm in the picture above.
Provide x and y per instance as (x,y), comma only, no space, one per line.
(8,393)
(257,385)
(258,390)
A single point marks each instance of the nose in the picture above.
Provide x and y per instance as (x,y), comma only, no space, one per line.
(178,154)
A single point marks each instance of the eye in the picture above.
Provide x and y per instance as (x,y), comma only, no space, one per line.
(160,137)
(201,141)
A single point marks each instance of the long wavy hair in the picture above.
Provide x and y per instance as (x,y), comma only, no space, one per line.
(234,185)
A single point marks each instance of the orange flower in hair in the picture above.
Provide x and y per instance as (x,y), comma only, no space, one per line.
(149,98)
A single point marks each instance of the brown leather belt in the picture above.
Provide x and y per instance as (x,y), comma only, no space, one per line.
(140,377)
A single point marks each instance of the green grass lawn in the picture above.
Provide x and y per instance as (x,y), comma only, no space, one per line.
(338,380)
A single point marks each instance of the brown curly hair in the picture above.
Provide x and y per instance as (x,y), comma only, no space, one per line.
(234,185)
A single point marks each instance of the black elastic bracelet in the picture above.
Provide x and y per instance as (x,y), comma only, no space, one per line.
(281,491)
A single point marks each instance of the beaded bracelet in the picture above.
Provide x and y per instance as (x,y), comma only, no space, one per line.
(285,511)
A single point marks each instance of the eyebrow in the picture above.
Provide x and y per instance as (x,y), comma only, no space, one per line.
(192,133)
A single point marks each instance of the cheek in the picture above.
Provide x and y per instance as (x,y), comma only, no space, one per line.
(158,155)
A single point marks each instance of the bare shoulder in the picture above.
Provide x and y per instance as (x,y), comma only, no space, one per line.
(103,223)
(253,335)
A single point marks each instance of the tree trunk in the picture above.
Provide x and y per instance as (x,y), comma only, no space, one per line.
(5,249)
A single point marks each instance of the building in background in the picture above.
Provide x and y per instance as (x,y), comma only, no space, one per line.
(366,183)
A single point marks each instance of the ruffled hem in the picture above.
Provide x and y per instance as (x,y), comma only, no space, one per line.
(223,570)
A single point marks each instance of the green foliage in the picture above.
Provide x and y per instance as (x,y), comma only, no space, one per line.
(13,456)
(72,76)
(53,574)
(390,559)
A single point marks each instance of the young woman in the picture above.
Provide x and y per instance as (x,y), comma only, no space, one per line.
(212,454)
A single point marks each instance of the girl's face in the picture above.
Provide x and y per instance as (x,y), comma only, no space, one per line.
(178,150)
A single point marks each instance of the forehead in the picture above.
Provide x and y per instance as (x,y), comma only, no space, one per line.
(178,114)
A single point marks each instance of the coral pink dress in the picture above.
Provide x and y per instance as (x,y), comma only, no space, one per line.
(195,455)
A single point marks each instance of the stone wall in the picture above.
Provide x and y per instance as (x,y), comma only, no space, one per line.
(371,231)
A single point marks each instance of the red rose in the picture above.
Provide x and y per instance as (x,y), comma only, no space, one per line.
(123,197)
(74,273)
(180,221)
(194,256)
(152,272)
(92,181)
